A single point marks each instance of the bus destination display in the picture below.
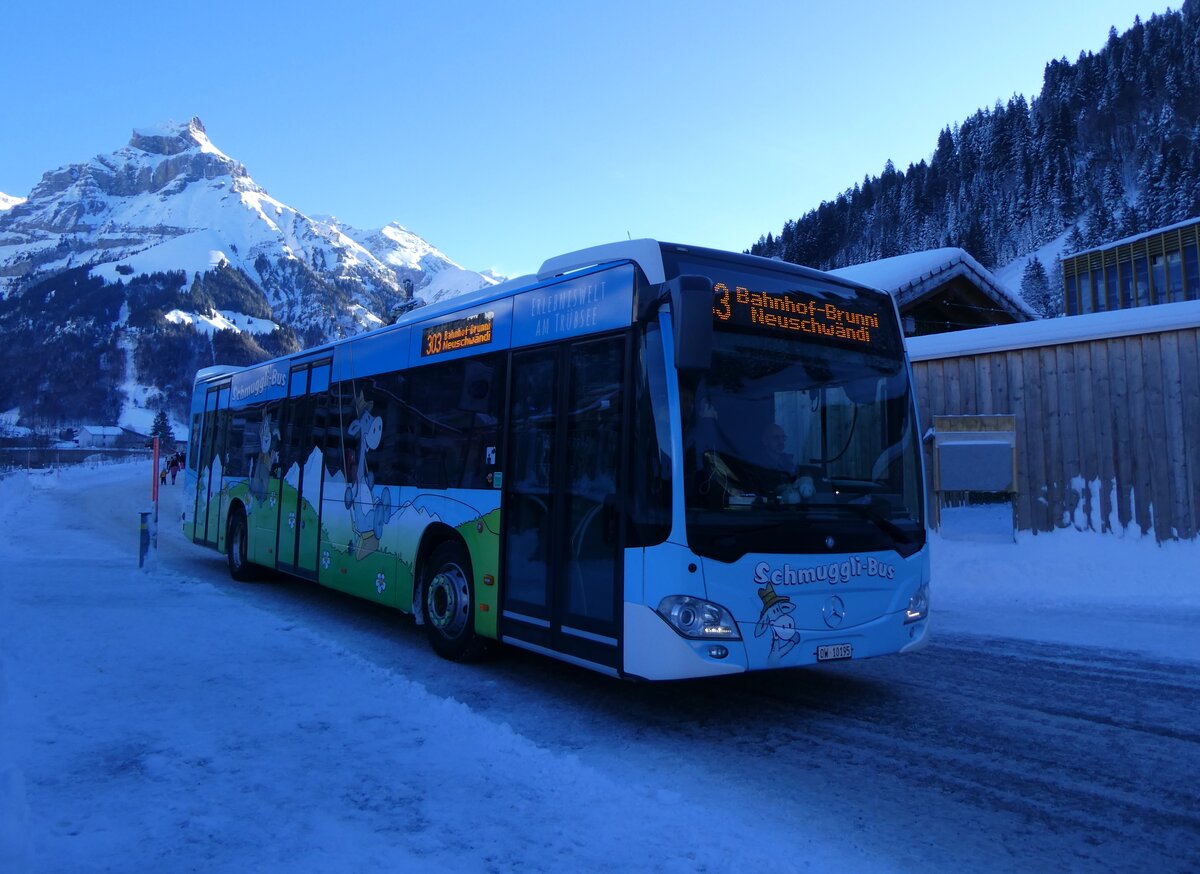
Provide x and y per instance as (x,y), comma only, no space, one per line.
(799,314)
(458,334)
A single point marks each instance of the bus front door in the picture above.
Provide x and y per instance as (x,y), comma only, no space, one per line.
(562,577)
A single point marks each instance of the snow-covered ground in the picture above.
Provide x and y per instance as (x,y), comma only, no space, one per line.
(163,722)
(1075,587)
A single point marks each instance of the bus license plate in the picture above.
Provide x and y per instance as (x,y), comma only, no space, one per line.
(834,651)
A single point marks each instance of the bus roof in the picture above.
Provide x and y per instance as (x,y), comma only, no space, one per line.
(653,257)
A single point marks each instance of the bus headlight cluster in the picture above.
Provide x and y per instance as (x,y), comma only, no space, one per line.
(918,605)
(698,619)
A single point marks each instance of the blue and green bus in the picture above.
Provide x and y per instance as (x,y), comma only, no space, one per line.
(652,460)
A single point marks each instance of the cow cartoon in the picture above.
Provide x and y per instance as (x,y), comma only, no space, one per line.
(776,615)
(367,510)
(264,463)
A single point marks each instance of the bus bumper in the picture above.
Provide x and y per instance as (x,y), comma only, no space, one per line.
(789,647)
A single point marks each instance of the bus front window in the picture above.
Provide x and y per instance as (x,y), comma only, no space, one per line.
(790,446)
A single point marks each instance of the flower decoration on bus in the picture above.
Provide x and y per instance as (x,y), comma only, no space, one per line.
(325,559)
(291,520)
(380,582)
(776,616)
(274,499)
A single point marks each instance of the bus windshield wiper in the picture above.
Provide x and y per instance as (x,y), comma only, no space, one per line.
(881,522)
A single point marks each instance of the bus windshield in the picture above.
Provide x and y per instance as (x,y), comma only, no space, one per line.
(794,446)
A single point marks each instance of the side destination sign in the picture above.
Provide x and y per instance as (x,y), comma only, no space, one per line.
(475,330)
(584,305)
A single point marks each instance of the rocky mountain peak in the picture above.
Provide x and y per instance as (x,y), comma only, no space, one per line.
(171,138)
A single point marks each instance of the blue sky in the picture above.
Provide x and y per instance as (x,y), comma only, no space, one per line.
(504,133)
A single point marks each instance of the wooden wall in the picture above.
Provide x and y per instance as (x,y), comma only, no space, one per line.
(1108,430)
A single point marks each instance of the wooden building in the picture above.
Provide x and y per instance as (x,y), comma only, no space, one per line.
(1107,411)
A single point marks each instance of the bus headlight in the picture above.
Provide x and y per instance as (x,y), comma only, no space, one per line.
(918,605)
(697,619)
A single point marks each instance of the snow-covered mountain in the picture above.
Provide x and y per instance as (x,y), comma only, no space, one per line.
(181,234)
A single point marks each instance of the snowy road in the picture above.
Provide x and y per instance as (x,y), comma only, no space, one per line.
(977,753)
(974,753)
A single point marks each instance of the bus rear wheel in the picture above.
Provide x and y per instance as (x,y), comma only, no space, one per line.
(449,596)
(235,546)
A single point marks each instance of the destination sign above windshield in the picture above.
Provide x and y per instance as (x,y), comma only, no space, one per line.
(855,322)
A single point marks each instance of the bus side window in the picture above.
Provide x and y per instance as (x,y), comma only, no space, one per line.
(382,396)
(340,415)
(456,409)
(650,513)
(239,456)
(194,443)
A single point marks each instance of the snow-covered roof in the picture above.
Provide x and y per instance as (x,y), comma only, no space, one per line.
(912,276)
(1053,332)
(102,430)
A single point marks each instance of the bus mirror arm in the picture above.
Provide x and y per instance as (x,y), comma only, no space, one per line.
(692,317)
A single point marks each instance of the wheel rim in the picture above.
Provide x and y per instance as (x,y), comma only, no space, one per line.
(448,600)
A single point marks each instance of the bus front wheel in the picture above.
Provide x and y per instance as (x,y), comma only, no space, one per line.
(449,595)
(235,545)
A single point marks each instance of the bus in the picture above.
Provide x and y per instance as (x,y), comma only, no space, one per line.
(651,460)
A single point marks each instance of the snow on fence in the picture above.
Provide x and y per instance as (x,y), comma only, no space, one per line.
(1107,410)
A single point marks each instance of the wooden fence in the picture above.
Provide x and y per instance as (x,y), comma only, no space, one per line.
(1107,413)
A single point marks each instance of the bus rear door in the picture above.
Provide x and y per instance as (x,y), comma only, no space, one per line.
(299,490)
(210,469)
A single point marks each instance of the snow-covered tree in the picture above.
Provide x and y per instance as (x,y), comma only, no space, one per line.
(1035,286)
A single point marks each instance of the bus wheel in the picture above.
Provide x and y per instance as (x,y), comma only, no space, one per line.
(235,545)
(449,604)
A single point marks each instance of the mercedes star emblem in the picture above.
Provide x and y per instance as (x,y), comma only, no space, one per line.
(834,611)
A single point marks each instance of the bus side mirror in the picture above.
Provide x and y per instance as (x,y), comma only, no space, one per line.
(692,315)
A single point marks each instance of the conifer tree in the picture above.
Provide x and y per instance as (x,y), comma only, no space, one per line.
(162,427)
(1035,286)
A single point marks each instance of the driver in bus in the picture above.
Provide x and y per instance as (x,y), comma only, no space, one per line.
(774,443)
(781,473)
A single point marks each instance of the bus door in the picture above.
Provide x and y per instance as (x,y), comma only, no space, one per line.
(562,542)
(209,469)
(302,433)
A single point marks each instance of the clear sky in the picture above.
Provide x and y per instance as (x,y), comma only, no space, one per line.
(504,133)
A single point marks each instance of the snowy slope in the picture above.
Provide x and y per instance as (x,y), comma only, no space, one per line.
(433,275)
